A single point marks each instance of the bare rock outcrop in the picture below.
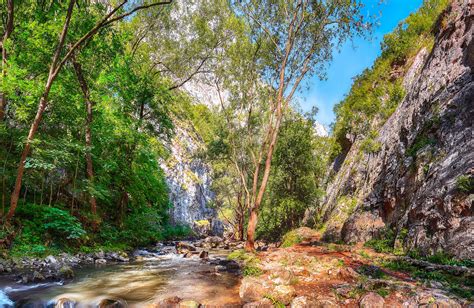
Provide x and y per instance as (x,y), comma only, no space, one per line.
(420,181)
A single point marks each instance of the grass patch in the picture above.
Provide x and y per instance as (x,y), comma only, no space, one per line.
(364,254)
(276,303)
(371,271)
(458,285)
(465,184)
(251,264)
(291,238)
(420,143)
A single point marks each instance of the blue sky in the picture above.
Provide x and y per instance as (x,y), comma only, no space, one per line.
(353,58)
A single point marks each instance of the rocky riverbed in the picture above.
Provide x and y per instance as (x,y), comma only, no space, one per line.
(214,272)
(184,271)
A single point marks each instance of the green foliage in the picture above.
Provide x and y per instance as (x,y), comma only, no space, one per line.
(131,120)
(371,271)
(376,92)
(275,302)
(177,232)
(251,264)
(370,146)
(45,230)
(459,285)
(465,183)
(419,143)
(384,243)
(291,238)
(296,180)
(52,222)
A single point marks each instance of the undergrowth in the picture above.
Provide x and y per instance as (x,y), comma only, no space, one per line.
(251,264)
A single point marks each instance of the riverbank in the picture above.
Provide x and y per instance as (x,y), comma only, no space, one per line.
(313,273)
(302,272)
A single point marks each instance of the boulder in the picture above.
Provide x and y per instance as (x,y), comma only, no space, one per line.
(50,260)
(100,261)
(203,254)
(189,304)
(302,302)
(37,276)
(284,294)
(170,302)
(183,247)
(252,290)
(372,300)
(65,302)
(66,272)
(214,241)
(263,303)
(99,255)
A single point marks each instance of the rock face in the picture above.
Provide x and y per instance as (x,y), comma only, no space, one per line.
(413,184)
(187,177)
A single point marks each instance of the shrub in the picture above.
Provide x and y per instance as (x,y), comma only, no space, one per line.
(44,230)
(250,262)
(419,143)
(384,243)
(465,184)
(51,222)
(291,238)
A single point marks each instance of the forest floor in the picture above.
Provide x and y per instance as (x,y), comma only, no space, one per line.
(317,274)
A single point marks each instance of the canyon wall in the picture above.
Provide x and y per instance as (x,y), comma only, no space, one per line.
(419,183)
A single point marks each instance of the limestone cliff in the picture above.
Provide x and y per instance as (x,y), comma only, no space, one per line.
(187,177)
(420,181)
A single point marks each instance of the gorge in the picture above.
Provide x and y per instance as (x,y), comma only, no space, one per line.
(182,172)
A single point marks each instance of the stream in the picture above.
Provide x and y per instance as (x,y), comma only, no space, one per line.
(135,284)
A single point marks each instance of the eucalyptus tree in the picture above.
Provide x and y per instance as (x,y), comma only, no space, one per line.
(183,44)
(299,37)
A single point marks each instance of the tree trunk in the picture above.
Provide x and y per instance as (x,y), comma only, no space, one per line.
(6,35)
(250,243)
(89,105)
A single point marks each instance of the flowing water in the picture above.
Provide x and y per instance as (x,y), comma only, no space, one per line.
(134,284)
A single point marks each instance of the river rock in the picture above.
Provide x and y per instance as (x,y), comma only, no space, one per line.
(100,261)
(119,257)
(252,290)
(302,302)
(372,300)
(50,260)
(213,241)
(203,254)
(284,294)
(99,255)
(189,304)
(183,247)
(111,303)
(263,303)
(37,276)
(66,272)
(65,302)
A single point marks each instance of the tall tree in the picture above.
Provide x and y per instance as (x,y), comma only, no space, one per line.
(88,135)
(57,64)
(300,36)
(7,33)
